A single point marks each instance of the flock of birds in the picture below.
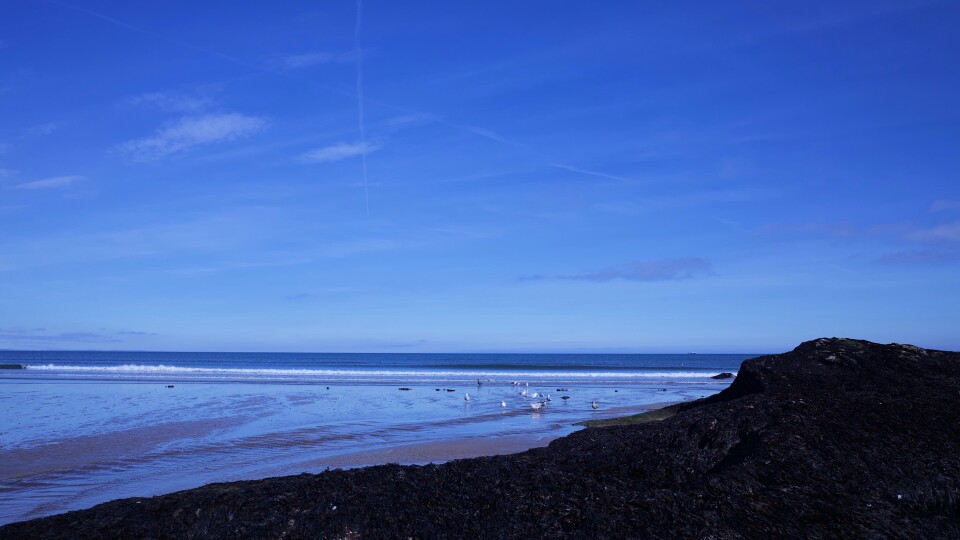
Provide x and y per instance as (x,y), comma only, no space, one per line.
(538,399)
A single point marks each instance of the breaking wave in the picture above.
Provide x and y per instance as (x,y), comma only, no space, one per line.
(162,371)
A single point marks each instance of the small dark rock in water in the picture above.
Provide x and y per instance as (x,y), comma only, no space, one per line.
(661,389)
(795,447)
(561,389)
(724,375)
(437,389)
(404,388)
(169,386)
(616,390)
(451,390)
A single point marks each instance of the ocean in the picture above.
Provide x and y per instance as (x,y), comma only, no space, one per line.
(81,428)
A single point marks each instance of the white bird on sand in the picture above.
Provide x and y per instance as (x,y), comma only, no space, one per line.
(594,405)
(535,395)
(524,392)
(503,403)
(466,397)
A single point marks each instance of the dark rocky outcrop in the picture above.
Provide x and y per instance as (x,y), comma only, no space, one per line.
(724,375)
(835,439)
(12,366)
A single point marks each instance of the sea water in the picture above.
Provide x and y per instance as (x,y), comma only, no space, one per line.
(80,428)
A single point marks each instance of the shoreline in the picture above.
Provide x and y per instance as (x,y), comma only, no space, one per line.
(149,460)
(443,450)
(785,451)
(435,452)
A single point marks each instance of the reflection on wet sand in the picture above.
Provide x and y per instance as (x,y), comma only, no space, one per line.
(100,440)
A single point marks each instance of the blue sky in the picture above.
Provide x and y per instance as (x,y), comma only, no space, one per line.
(490,176)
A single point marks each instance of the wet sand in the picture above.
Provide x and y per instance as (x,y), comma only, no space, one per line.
(92,451)
(433,451)
(74,444)
(443,450)
(788,450)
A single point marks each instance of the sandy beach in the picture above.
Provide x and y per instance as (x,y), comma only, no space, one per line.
(75,442)
(838,439)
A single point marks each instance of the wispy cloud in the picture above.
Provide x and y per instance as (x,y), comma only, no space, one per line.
(935,234)
(405,120)
(320,293)
(689,199)
(50,183)
(948,232)
(943,204)
(359,246)
(837,230)
(39,335)
(171,101)
(482,132)
(190,132)
(162,37)
(919,257)
(588,172)
(310,59)
(304,255)
(336,152)
(42,130)
(656,270)
(358,54)
(204,237)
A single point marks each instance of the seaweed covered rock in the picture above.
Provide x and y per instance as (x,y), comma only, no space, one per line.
(838,438)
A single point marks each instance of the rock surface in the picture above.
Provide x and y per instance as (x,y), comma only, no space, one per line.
(836,439)
(724,375)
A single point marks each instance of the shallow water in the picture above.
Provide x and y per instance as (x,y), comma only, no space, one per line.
(74,438)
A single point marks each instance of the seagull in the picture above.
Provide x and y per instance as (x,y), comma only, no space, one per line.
(479,382)
(594,405)
(564,397)
(535,395)
(536,406)
(466,397)
(524,392)
(503,403)
(549,398)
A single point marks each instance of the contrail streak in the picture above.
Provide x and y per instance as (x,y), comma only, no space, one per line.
(479,131)
(363,137)
(589,172)
(162,37)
